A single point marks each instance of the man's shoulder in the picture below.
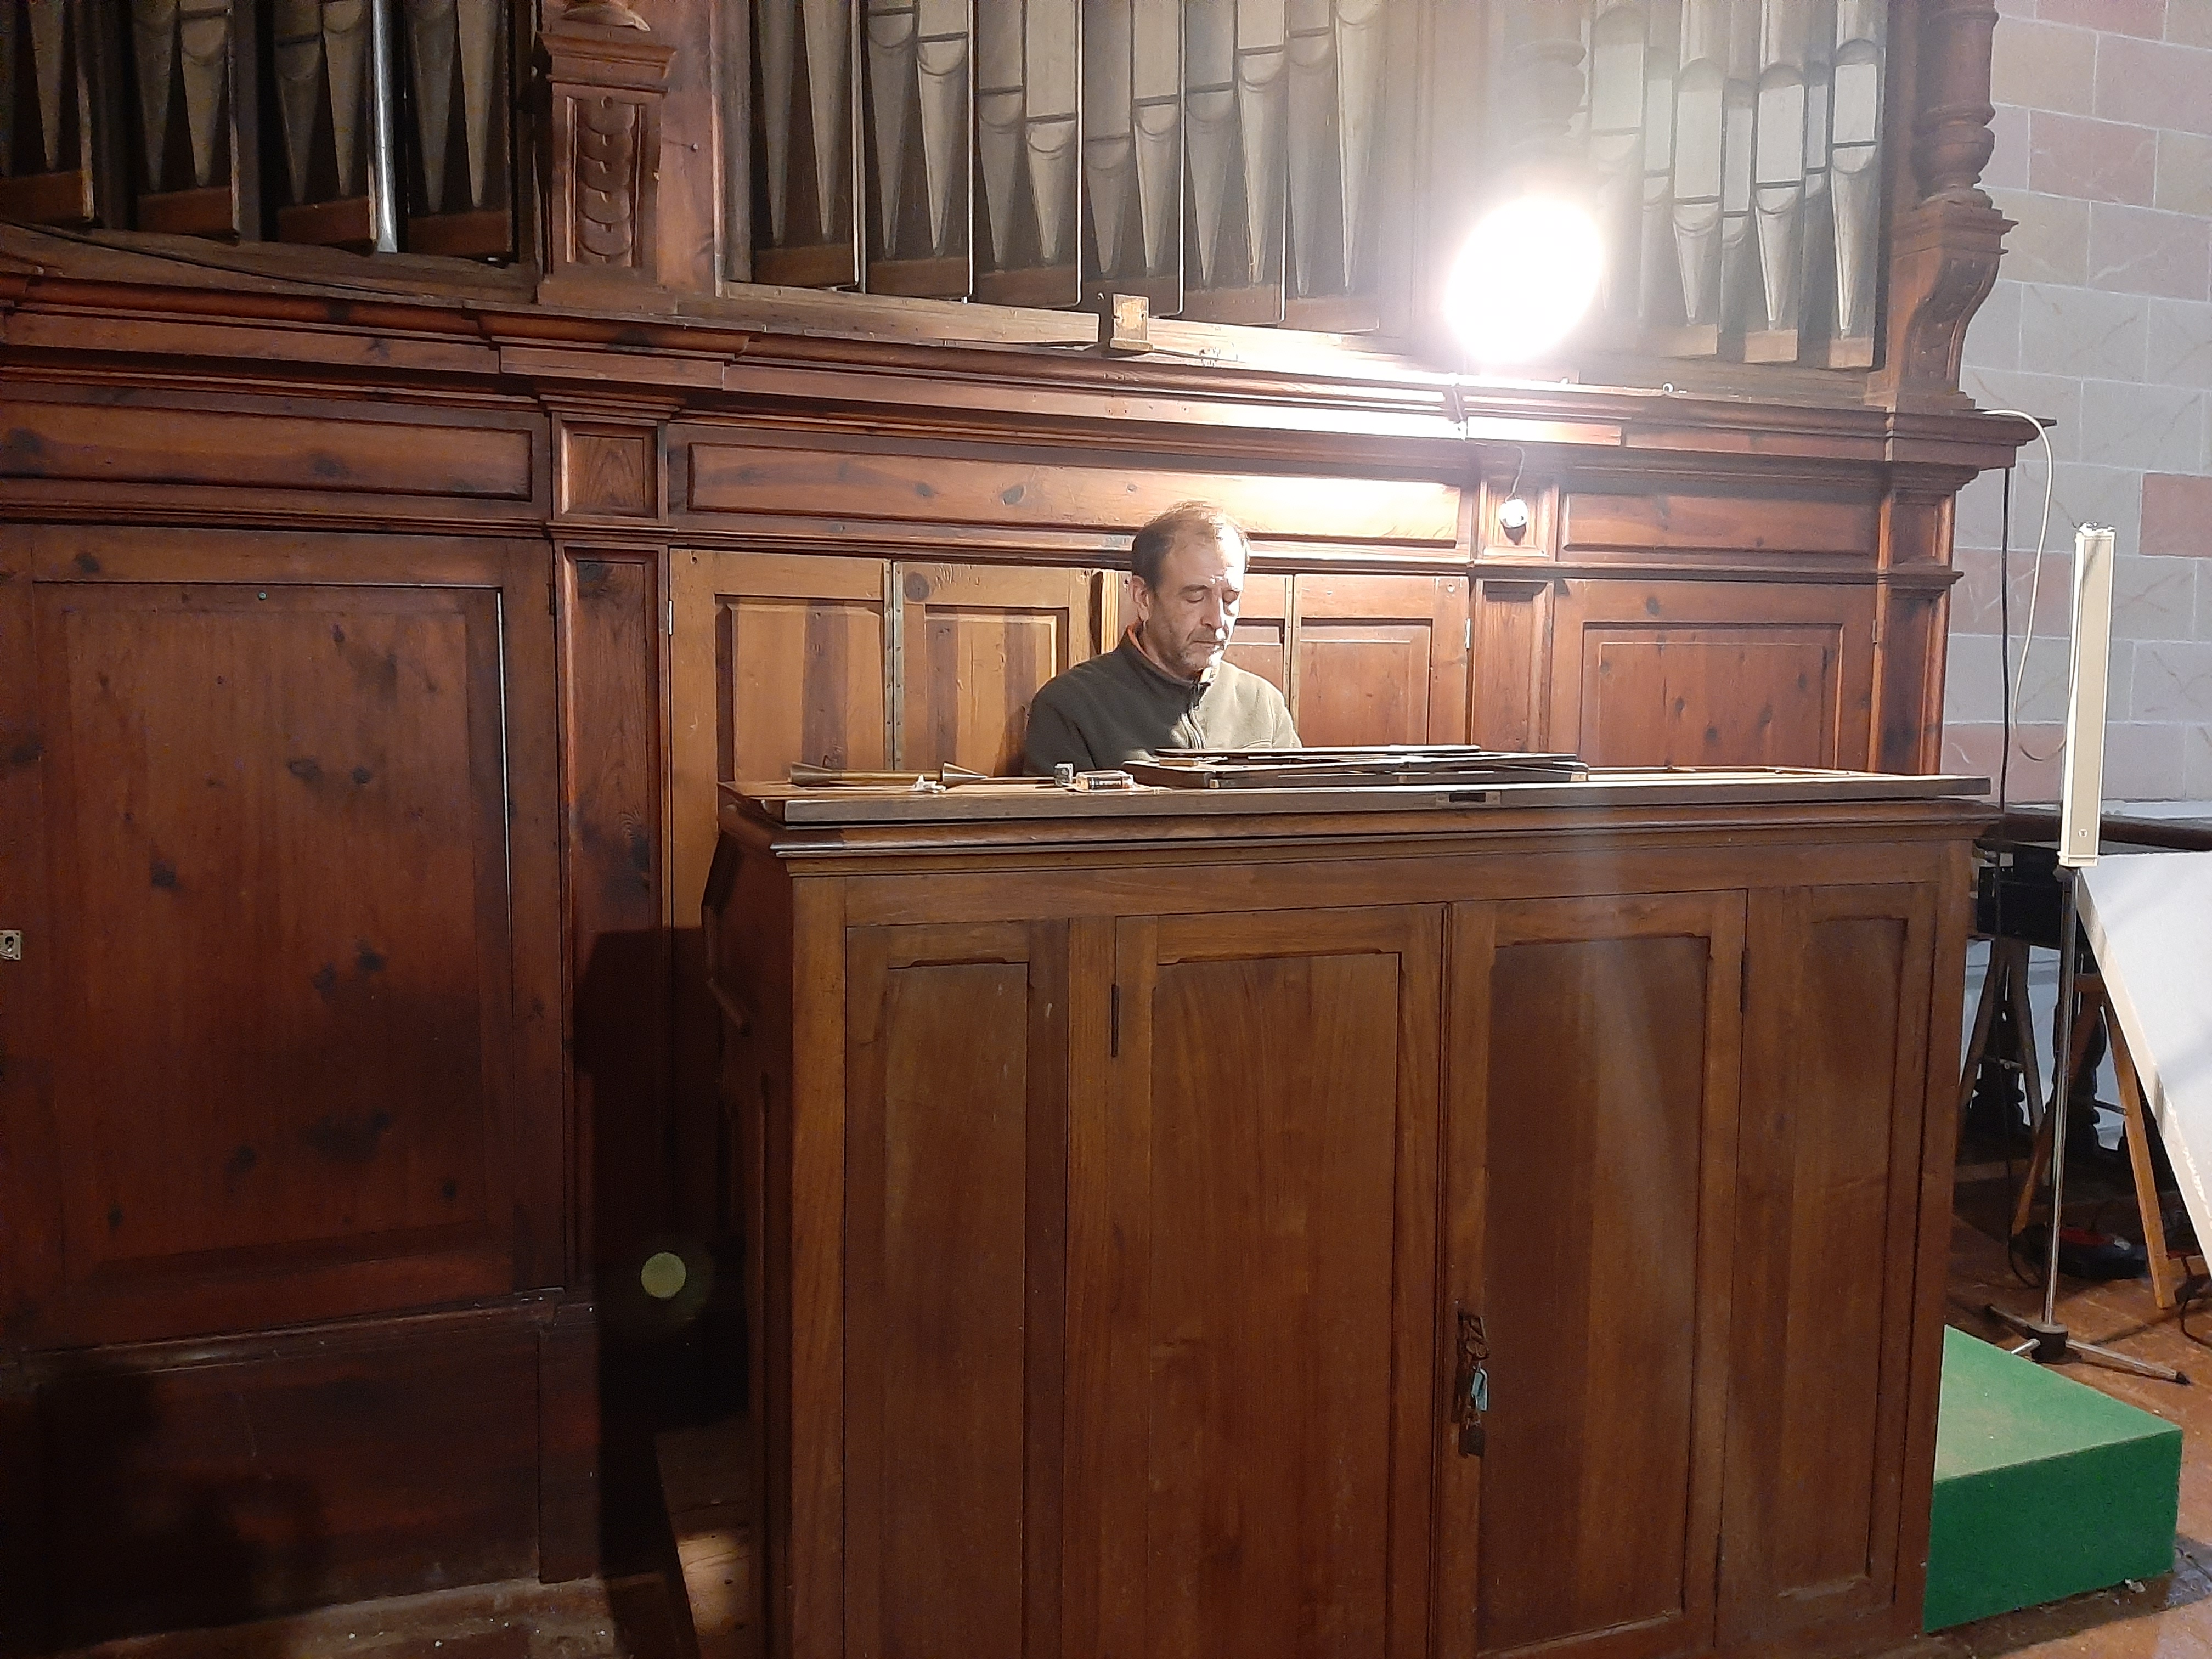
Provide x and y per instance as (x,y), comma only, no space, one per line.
(1092,674)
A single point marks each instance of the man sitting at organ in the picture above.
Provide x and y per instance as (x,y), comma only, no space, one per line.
(1166,685)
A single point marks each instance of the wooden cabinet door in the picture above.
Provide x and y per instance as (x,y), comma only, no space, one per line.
(975,644)
(1712,673)
(1590,1145)
(956,1137)
(1835,1087)
(1380,659)
(1252,1271)
(291,842)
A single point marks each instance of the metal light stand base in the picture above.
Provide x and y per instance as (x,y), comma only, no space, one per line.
(2048,1341)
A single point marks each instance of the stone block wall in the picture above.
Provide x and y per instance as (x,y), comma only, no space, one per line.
(2102,319)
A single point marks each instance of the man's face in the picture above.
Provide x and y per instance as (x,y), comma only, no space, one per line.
(1185,622)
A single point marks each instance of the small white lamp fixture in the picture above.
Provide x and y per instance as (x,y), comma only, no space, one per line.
(1525,278)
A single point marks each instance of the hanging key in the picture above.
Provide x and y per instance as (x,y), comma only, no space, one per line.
(1472,1437)
(1471,1390)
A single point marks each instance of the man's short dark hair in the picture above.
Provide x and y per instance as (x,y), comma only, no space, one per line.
(1159,537)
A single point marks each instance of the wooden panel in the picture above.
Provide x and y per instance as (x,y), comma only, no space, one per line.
(1908,721)
(1260,643)
(954,1264)
(1381,660)
(1590,1225)
(976,643)
(1512,636)
(775,658)
(1712,673)
(609,632)
(733,478)
(799,670)
(209,1492)
(1836,1056)
(570,1491)
(1277,1074)
(1796,521)
(30,1233)
(298,801)
(137,444)
(612,469)
(24,1626)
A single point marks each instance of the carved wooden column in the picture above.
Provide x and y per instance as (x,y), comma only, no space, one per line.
(1944,249)
(605,80)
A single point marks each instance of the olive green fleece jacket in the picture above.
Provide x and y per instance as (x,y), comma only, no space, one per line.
(1113,707)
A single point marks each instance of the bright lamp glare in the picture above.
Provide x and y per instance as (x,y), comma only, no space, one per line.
(1525,278)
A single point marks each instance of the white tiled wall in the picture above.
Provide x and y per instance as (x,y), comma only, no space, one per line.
(2102,318)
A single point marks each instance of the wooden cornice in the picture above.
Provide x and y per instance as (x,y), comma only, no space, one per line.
(85,307)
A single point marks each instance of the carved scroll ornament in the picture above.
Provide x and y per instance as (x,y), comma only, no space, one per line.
(607,81)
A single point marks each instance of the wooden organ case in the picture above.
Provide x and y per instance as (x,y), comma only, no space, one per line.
(440,444)
(1135,1196)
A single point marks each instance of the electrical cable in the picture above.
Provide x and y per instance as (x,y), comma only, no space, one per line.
(2018,677)
(2191,1288)
(2004,662)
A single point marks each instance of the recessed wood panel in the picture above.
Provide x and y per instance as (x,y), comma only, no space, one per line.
(1751,521)
(127,444)
(1381,660)
(1511,629)
(1275,1093)
(732,478)
(619,963)
(1601,1212)
(800,675)
(1709,696)
(976,644)
(953,1229)
(1836,1064)
(1282,1083)
(284,983)
(1712,673)
(614,470)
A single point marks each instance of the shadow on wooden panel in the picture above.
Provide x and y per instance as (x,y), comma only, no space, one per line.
(218,1492)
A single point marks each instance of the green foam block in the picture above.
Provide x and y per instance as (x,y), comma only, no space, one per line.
(2045,1488)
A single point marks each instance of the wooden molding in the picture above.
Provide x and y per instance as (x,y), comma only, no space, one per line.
(1951,138)
(1945,239)
(1943,263)
(605,84)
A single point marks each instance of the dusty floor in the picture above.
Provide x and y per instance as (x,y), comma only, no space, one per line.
(595,1619)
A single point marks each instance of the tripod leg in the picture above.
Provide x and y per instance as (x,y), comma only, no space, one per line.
(1985,1013)
(2023,1023)
(2165,1274)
